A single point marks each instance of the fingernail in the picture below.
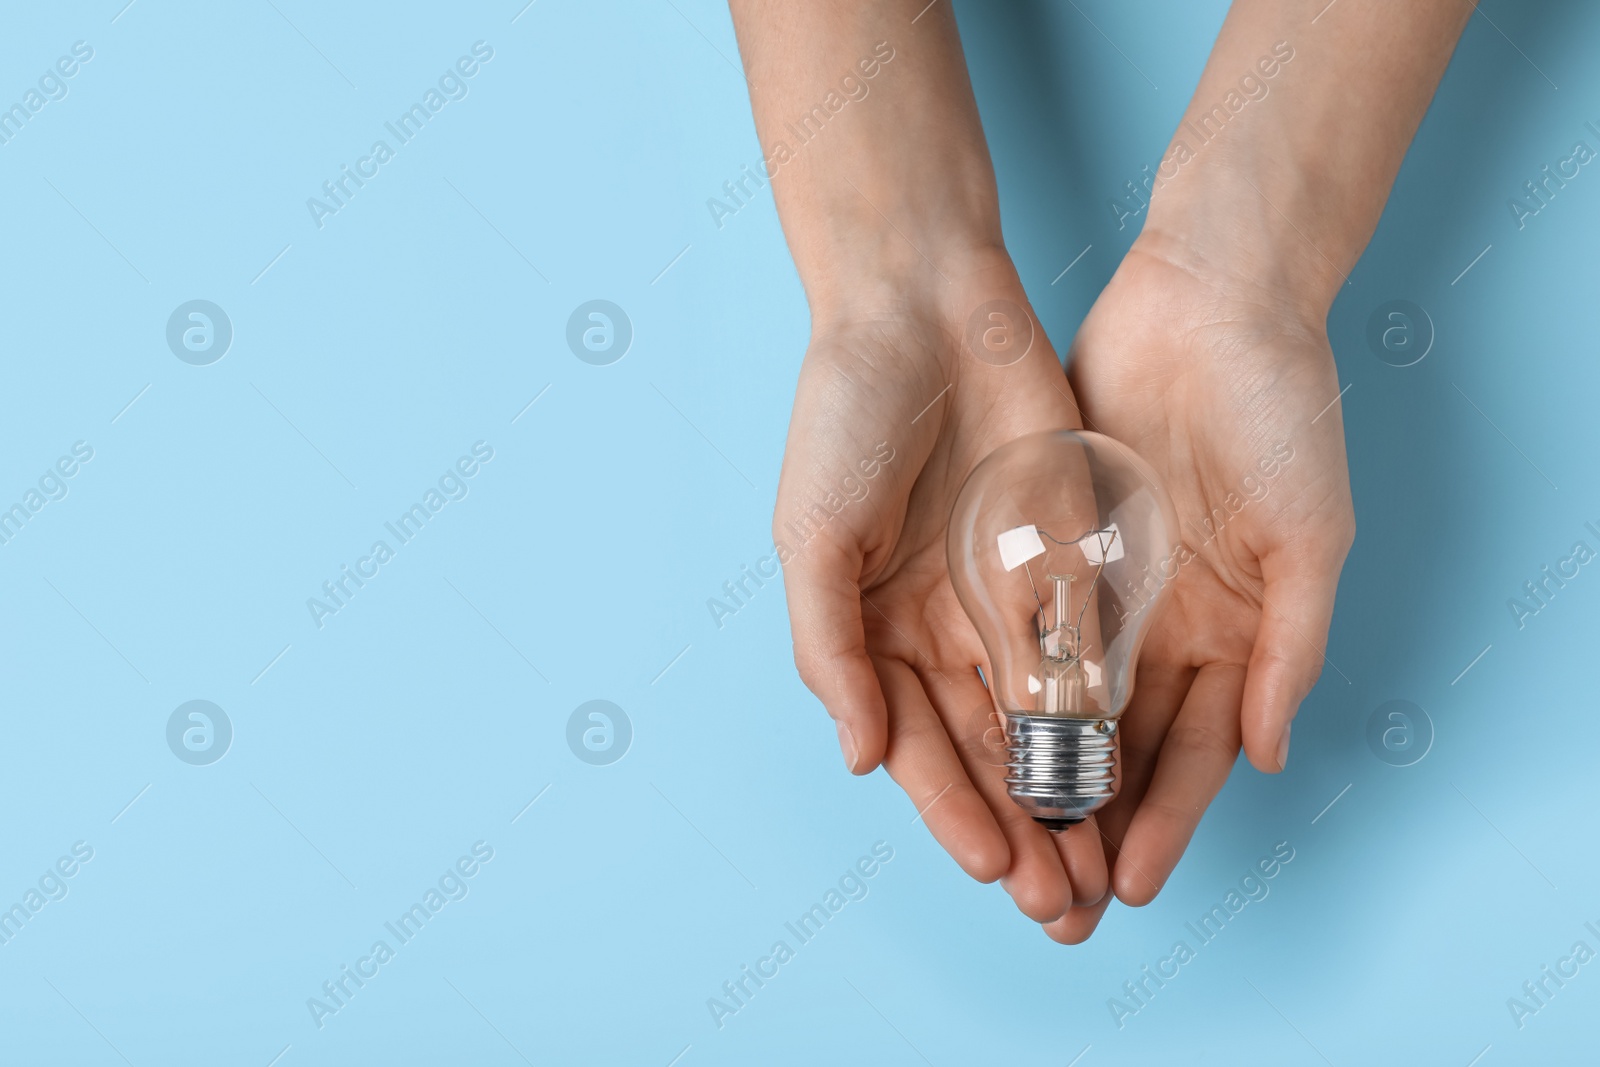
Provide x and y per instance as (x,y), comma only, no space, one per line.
(847,743)
(1283,747)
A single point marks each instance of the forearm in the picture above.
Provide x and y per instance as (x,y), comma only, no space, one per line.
(1285,156)
(871,140)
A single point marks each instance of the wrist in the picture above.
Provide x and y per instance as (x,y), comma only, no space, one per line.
(1256,229)
(931,276)
(867,242)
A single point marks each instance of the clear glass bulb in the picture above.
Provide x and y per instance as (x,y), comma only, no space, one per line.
(1062,546)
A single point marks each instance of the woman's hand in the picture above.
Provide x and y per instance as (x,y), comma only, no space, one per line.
(1229,391)
(893,410)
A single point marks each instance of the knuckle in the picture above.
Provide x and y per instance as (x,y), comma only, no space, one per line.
(1313,674)
(1296,672)
(1171,812)
(1141,752)
(1344,532)
(809,664)
(1202,743)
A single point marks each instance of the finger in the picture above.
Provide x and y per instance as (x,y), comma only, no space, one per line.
(1288,653)
(1199,752)
(1145,723)
(922,761)
(1109,826)
(1160,691)
(1036,878)
(1078,923)
(1083,857)
(830,648)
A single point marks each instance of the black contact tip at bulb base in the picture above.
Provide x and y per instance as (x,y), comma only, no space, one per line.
(1060,770)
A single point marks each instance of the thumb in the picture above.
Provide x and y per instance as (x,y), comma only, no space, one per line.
(1288,655)
(830,649)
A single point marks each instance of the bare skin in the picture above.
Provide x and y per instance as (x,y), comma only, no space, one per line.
(1206,352)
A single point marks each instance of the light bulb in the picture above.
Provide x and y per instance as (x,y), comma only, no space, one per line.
(1062,546)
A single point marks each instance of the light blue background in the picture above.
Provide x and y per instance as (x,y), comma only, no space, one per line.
(429,712)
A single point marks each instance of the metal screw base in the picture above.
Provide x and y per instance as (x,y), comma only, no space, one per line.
(1060,771)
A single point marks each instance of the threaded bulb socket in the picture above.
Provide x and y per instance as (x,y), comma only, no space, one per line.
(1060,771)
